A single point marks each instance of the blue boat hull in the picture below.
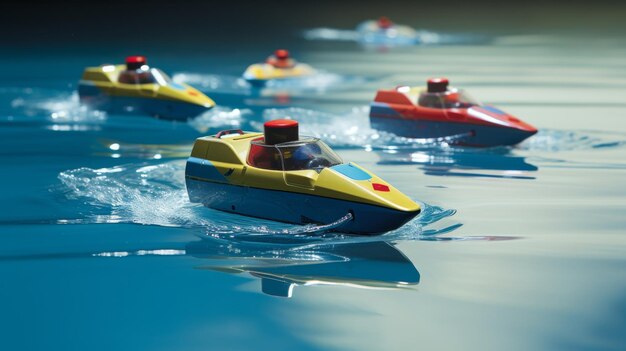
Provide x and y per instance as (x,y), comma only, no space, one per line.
(459,133)
(295,208)
(166,109)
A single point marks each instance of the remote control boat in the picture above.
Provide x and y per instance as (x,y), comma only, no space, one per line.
(441,111)
(280,65)
(279,176)
(384,32)
(138,88)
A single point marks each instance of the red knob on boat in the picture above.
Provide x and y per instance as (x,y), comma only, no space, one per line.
(384,23)
(280,131)
(281,54)
(437,85)
(135,62)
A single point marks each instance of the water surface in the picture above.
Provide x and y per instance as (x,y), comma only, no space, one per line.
(518,248)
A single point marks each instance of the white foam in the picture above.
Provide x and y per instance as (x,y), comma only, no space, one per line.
(319,82)
(218,117)
(60,109)
(152,195)
(156,195)
(213,82)
(351,129)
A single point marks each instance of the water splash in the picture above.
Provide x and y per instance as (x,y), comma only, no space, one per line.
(214,82)
(289,239)
(320,82)
(149,194)
(317,83)
(61,109)
(155,195)
(219,117)
(66,113)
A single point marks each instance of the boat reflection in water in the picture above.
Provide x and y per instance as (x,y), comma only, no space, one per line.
(280,261)
(371,264)
(462,162)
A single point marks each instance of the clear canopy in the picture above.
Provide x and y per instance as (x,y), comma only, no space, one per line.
(310,153)
(453,98)
(144,76)
(307,153)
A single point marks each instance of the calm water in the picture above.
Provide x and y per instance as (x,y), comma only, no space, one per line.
(518,248)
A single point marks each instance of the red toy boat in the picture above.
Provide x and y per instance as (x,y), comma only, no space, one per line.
(441,111)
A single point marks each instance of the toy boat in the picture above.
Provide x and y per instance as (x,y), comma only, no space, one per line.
(280,65)
(278,176)
(137,88)
(384,32)
(444,112)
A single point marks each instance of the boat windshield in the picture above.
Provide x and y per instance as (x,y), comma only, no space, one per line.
(453,98)
(144,76)
(306,153)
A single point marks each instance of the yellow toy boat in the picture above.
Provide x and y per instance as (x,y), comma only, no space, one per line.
(277,175)
(137,88)
(278,66)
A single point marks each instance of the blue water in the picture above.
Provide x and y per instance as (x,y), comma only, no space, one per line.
(517,248)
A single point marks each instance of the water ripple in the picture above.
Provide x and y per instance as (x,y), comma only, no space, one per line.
(553,140)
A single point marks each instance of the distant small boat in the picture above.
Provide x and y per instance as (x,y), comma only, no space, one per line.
(137,88)
(384,32)
(280,65)
(440,112)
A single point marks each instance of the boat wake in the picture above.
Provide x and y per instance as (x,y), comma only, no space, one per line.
(155,195)
(318,83)
(224,84)
(213,82)
(352,130)
(219,117)
(147,194)
(62,109)
(553,140)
